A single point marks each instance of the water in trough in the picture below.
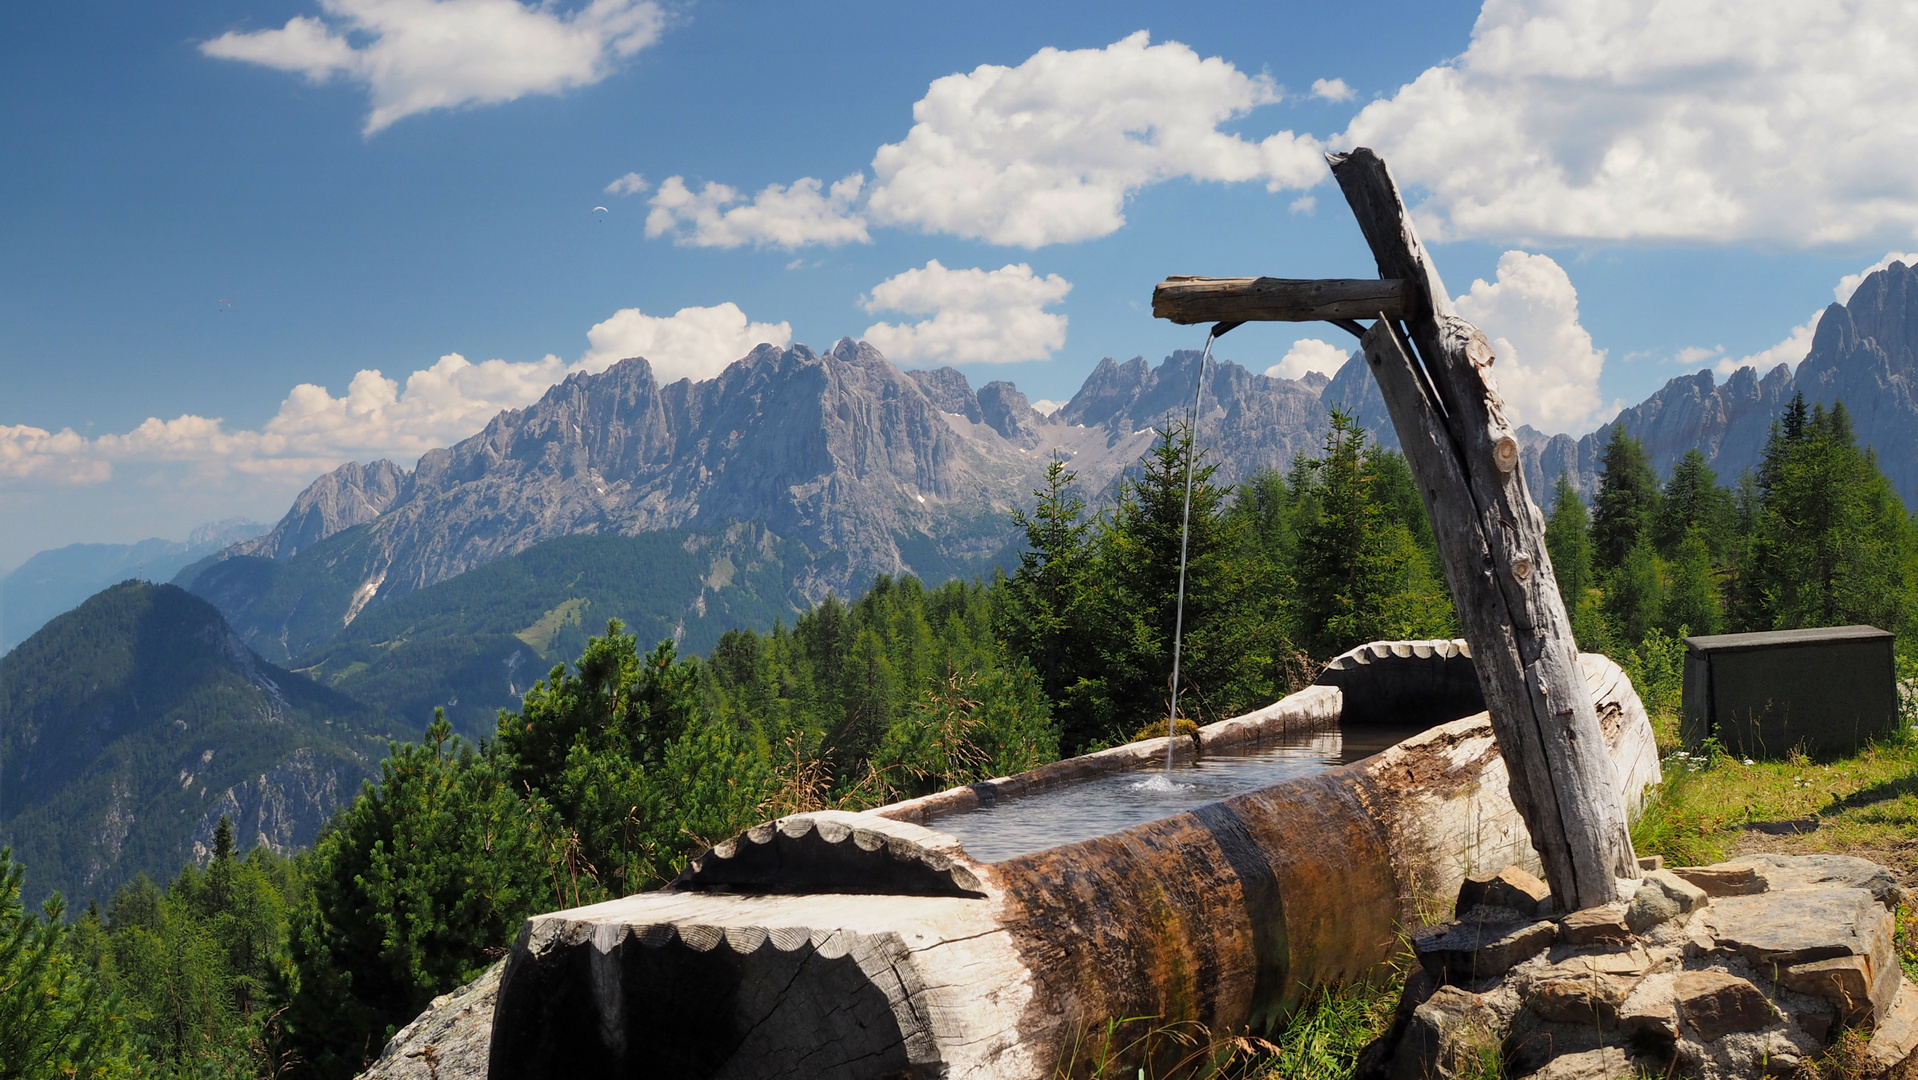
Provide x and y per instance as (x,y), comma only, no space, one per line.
(1108,804)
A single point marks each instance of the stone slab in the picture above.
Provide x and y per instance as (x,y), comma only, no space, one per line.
(1481,946)
(1714,1004)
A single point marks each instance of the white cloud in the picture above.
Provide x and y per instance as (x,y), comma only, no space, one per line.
(1673,120)
(978,316)
(379,417)
(418,55)
(1546,368)
(1850,282)
(787,217)
(1047,152)
(1308,354)
(630,184)
(692,343)
(1332,90)
(1305,204)
(1788,352)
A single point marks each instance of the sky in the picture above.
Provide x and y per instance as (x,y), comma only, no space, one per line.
(247,242)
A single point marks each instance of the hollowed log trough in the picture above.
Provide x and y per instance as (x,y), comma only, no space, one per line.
(870,945)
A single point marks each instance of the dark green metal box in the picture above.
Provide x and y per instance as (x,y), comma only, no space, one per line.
(1825,690)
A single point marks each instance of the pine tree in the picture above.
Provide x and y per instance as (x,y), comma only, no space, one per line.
(1693,499)
(1361,575)
(56,1020)
(1627,503)
(1568,540)
(1830,542)
(1691,604)
(1042,596)
(1635,592)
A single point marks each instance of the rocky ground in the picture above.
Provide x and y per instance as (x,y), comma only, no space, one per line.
(1760,966)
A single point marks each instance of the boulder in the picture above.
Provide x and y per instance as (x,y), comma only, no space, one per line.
(449,1041)
(1604,1063)
(1662,896)
(1726,879)
(1893,1051)
(1824,871)
(1512,888)
(1713,1004)
(1455,1031)
(1603,926)
(1485,944)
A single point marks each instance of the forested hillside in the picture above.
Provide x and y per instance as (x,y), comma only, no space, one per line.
(132,723)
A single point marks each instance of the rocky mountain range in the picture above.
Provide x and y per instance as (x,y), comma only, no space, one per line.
(869,469)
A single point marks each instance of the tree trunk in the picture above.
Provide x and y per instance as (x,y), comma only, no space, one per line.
(1491,537)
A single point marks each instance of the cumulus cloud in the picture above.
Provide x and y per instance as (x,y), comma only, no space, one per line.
(1332,90)
(416,55)
(1546,369)
(787,217)
(978,316)
(630,184)
(1047,152)
(692,343)
(1308,354)
(378,416)
(1679,120)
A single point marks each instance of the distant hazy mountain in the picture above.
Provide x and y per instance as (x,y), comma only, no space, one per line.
(54,581)
(132,723)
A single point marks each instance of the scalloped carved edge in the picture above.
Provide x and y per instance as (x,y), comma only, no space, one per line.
(932,863)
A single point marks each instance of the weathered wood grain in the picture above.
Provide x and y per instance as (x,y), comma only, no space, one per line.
(1491,536)
(1226,916)
(1267,299)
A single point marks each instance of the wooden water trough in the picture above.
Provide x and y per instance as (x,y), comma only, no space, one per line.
(872,945)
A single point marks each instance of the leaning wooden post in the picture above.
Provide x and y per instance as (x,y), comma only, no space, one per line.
(1491,537)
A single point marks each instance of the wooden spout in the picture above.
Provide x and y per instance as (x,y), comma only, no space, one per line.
(1188,300)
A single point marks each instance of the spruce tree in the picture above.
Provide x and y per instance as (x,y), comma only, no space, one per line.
(1693,499)
(1691,603)
(1627,503)
(1568,540)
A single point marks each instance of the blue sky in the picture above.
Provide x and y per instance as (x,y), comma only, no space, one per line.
(206,206)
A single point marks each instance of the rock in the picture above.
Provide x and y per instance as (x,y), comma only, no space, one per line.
(1802,925)
(1603,925)
(1511,888)
(1846,982)
(1604,1063)
(1726,880)
(449,1041)
(1580,998)
(1483,945)
(1713,1004)
(1893,1051)
(1651,1011)
(1651,862)
(1662,897)
(1454,1031)
(1826,871)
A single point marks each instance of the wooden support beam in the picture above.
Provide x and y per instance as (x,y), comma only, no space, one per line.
(1265,299)
(1491,537)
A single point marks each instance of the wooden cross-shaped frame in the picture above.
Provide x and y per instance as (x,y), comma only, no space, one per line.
(1434,371)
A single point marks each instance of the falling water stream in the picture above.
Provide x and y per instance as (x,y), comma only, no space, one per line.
(1185,535)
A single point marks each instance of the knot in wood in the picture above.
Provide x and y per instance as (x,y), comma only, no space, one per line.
(1505,454)
(1522,567)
